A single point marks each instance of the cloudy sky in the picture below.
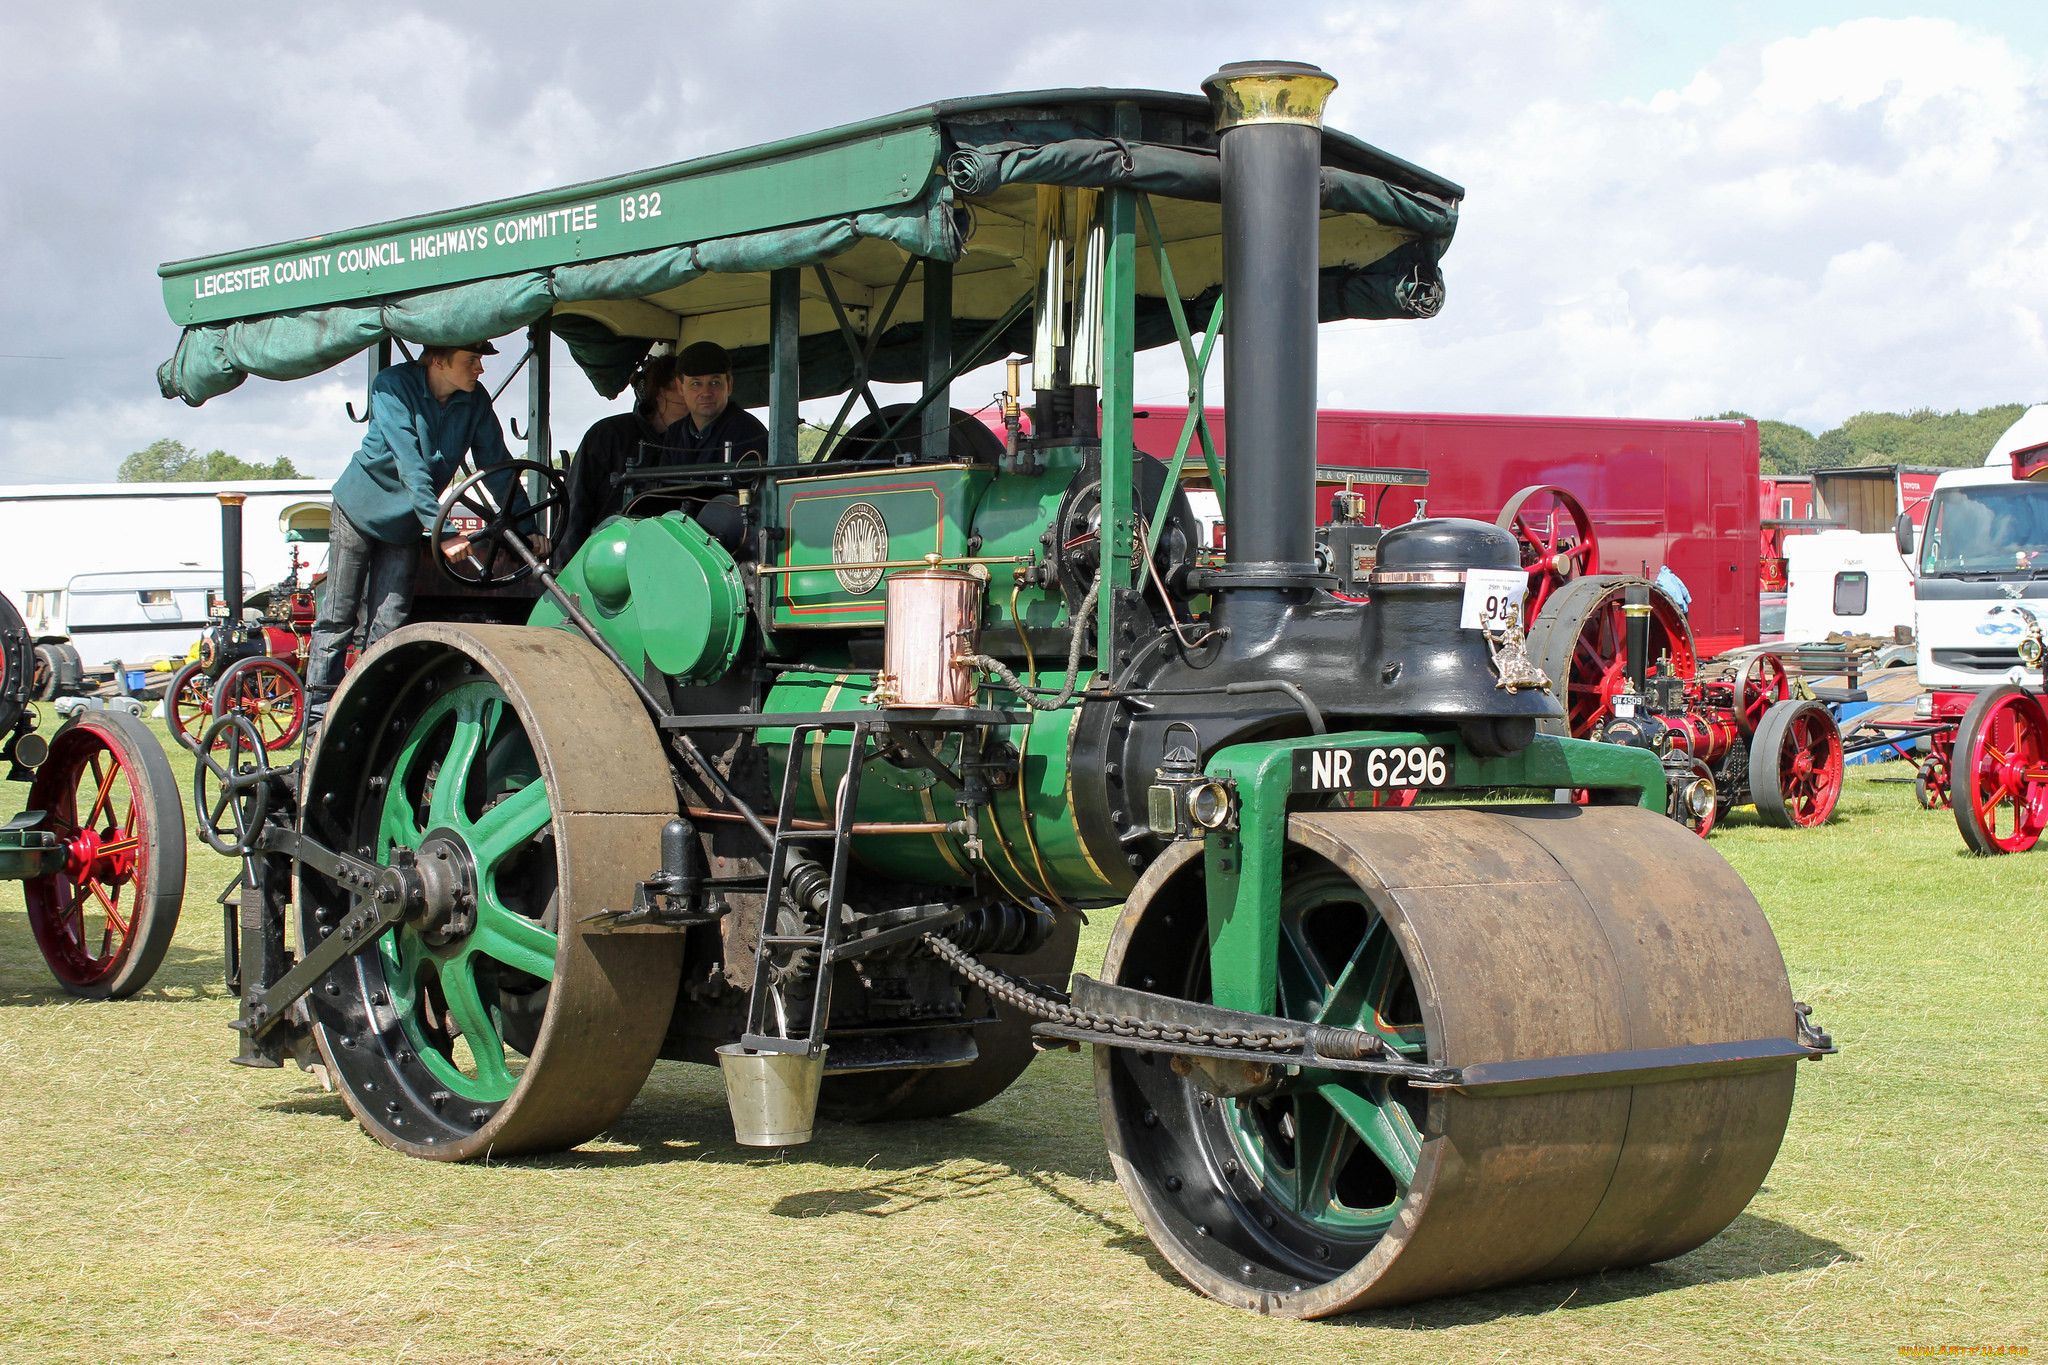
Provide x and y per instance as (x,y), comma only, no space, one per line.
(1802,209)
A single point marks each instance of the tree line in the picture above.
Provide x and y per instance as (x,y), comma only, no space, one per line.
(169,461)
(1922,436)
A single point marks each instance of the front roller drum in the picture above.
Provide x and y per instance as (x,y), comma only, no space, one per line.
(1461,937)
(517,764)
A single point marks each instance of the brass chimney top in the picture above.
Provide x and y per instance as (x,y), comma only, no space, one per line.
(1269,92)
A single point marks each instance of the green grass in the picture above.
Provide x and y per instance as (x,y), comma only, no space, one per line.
(158,1203)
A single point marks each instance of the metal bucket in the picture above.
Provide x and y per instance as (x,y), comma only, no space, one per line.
(773,1095)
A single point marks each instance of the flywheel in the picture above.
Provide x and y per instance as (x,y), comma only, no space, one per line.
(519,763)
(1459,936)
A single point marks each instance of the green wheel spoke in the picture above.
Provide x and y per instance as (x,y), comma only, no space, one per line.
(445,807)
(400,950)
(1348,1002)
(458,983)
(1322,1143)
(1363,989)
(1314,976)
(1382,1125)
(513,940)
(395,828)
(507,825)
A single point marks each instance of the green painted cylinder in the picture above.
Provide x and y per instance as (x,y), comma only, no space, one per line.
(1030,843)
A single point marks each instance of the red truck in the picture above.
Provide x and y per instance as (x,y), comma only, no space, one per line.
(1682,494)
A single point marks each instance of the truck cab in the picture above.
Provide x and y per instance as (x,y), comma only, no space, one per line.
(1984,544)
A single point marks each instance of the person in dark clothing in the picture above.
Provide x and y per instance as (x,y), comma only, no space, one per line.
(705,372)
(613,445)
(684,416)
(425,417)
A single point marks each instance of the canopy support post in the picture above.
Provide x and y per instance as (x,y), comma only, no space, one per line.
(938,360)
(540,347)
(785,319)
(379,357)
(1119,444)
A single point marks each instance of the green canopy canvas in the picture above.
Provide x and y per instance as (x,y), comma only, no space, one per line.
(690,251)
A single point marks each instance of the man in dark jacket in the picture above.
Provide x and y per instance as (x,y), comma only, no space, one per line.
(705,372)
(684,416)
(425,416)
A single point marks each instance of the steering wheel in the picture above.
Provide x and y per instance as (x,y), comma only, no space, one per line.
(472,498)
(231,785)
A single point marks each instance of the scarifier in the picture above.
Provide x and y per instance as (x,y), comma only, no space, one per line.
(823,797)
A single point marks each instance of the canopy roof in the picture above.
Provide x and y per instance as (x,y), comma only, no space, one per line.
(682,252)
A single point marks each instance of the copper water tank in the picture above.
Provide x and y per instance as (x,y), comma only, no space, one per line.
(932,620)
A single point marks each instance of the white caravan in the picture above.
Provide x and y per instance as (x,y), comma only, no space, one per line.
(1846,582)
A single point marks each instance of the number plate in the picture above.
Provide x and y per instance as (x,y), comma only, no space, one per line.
(1493,598)
(1372,767)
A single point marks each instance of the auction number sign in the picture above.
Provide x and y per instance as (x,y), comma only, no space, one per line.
(1493,599)
(1372,767)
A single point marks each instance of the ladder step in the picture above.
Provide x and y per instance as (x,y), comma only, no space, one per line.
(789,835)
(795,940)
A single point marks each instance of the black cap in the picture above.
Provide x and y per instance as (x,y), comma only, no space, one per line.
(704,357)
(480,347)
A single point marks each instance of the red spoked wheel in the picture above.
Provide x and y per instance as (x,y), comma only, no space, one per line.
(105,918)
(1795,765)
(1580,641)
(2000,777)
(1557,542)
(270,694)
(1762,684)
(1931,783)
(188,704)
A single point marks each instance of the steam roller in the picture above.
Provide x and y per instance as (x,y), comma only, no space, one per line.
(810,770)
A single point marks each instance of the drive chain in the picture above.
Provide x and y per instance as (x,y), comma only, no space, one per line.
(1057,1007)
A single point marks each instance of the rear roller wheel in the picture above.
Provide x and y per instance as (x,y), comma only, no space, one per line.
(105,919)
(2000,779)
(1795,765)
(1339,1190)
(521,759)
(269,693)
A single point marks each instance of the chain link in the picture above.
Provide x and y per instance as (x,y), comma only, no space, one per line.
(1058,1007)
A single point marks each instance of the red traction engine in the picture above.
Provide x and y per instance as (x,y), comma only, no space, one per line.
(254,667)
(1728,737)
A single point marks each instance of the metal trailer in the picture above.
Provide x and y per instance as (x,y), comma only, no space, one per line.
(820,798)
(100,850)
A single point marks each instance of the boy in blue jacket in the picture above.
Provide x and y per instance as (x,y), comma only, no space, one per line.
(425,416)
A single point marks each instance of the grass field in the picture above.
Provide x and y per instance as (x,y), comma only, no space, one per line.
(157,1203)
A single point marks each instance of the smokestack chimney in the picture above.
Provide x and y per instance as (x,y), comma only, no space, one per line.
(1270,117)
(231,553)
